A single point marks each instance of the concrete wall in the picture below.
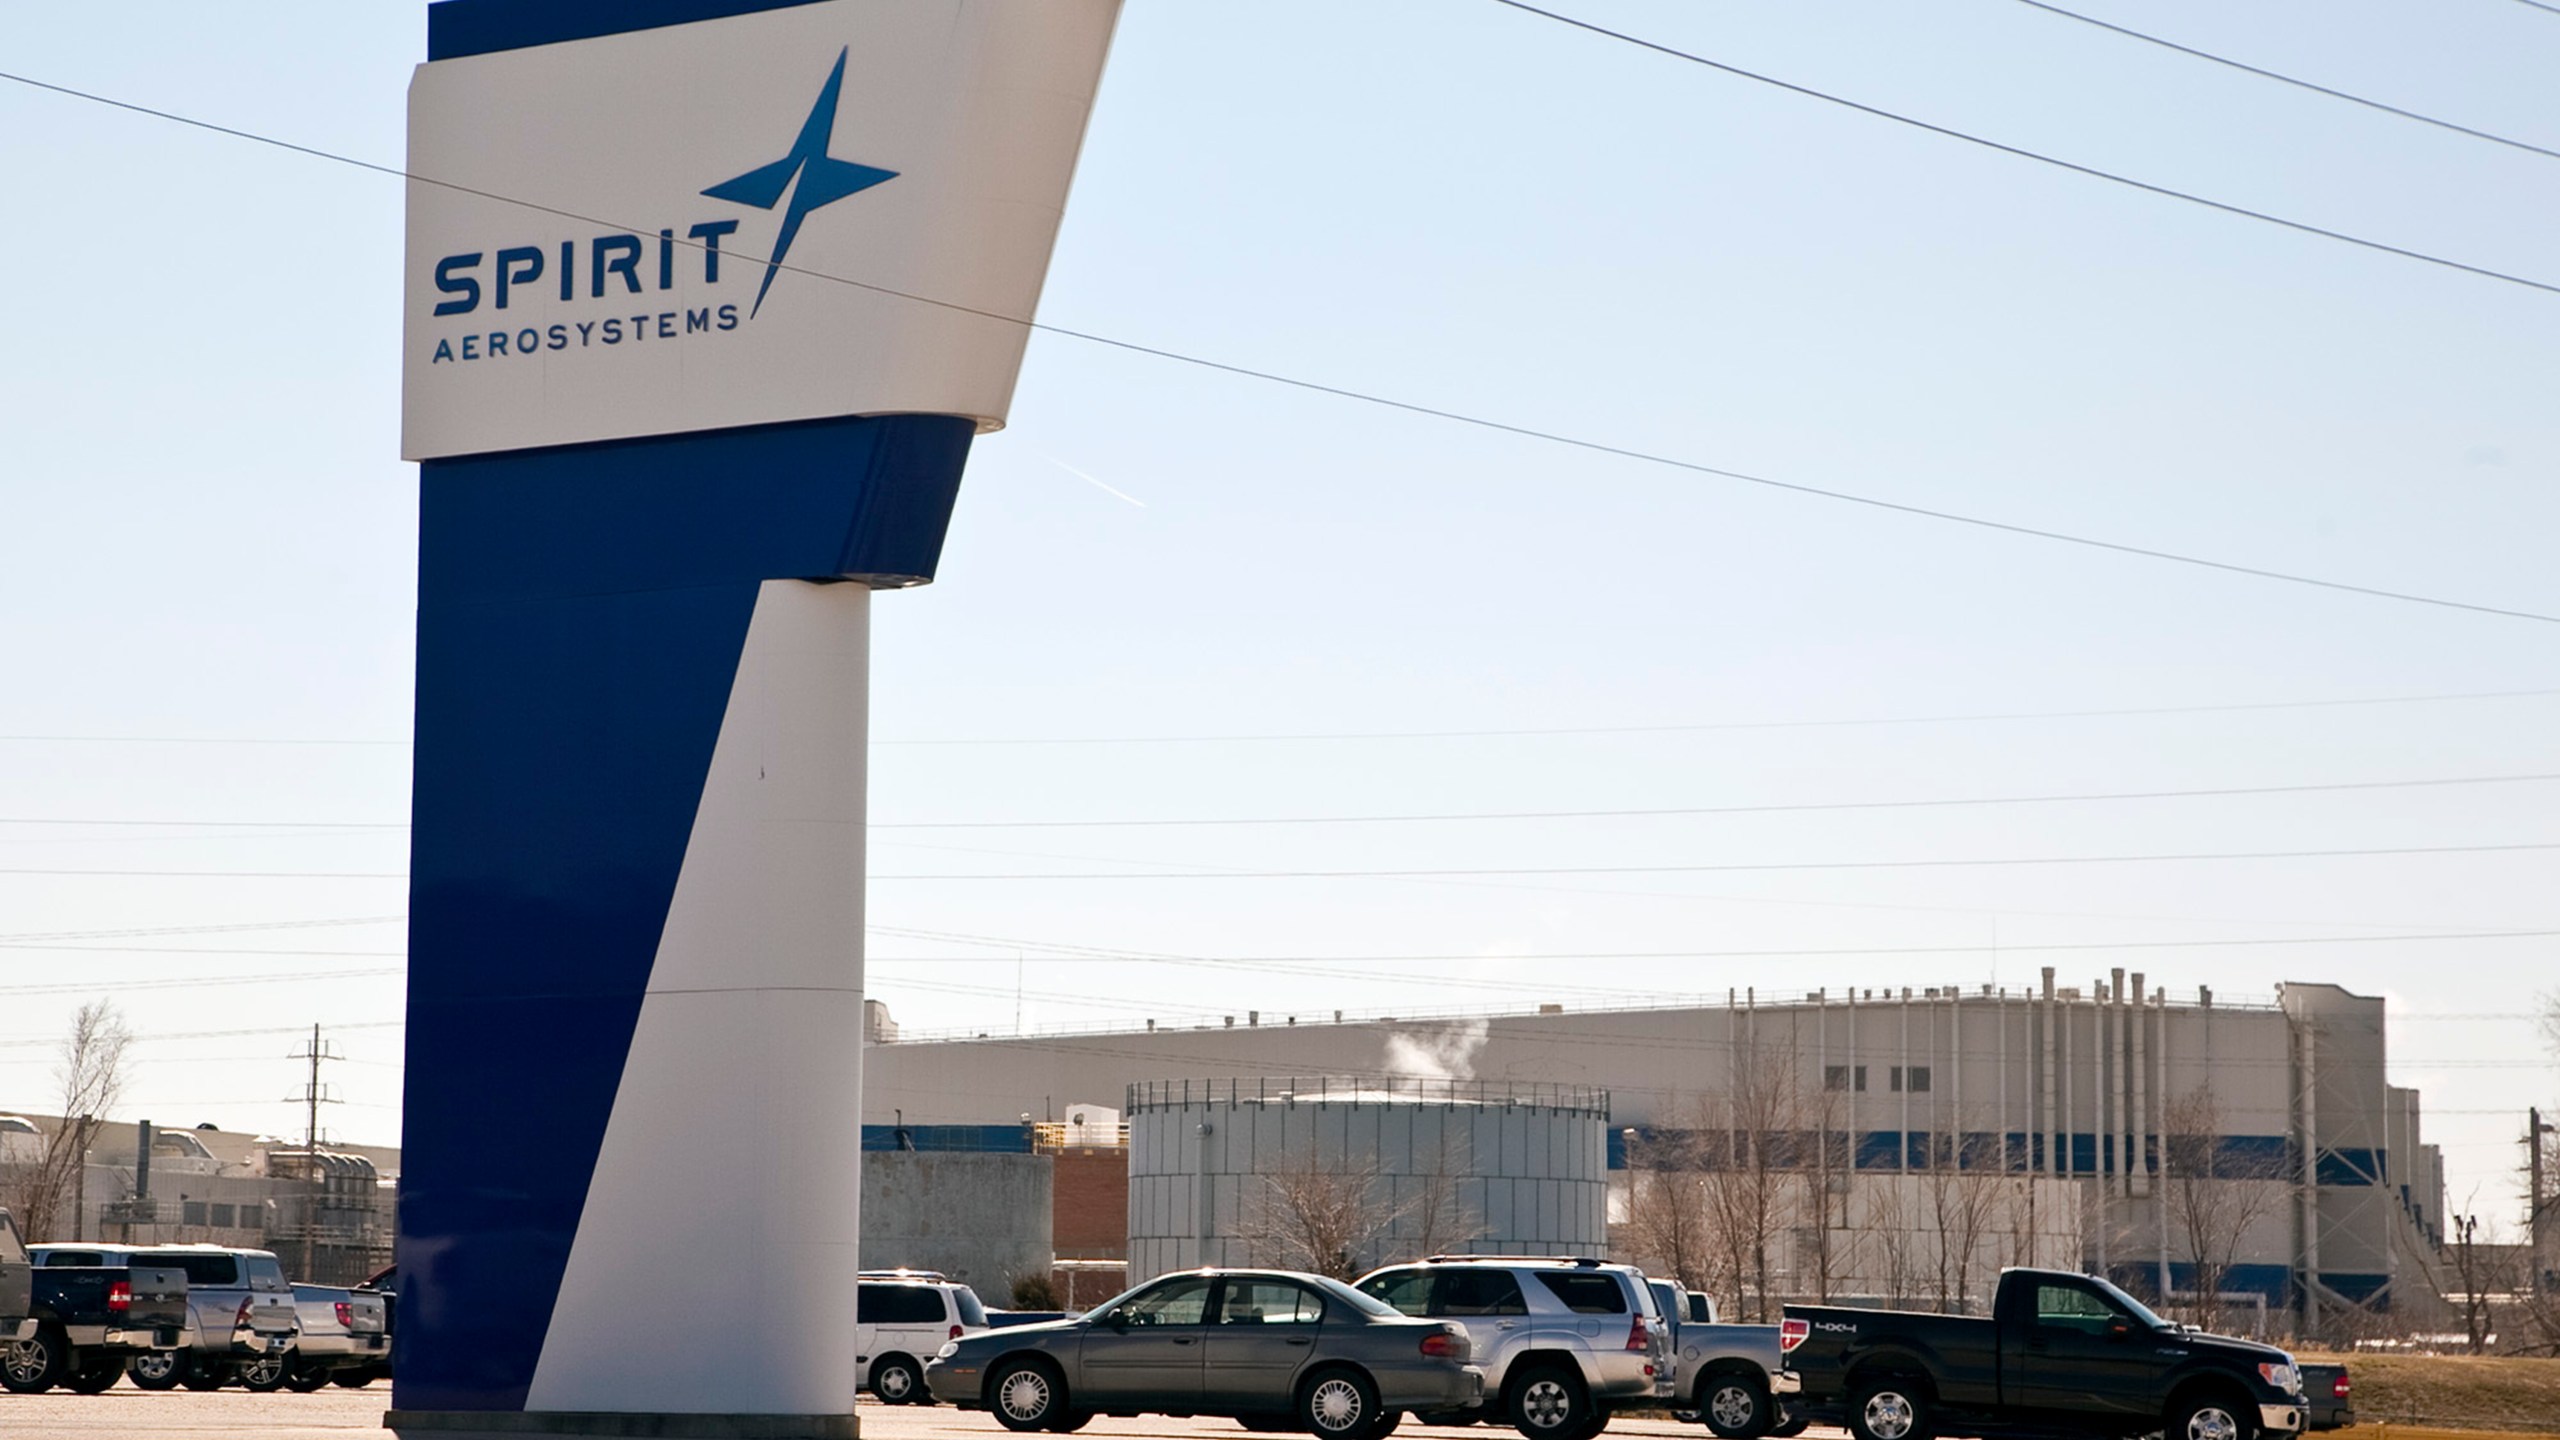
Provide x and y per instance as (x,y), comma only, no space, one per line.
(980,1219)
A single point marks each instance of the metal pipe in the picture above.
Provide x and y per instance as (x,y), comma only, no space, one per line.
(2122,1120)
(2052,1130)
(2140,1168)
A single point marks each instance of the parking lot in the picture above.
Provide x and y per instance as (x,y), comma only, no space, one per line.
(237,1415)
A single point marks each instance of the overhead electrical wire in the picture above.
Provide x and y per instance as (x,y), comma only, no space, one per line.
(2023,153)
(1086,954)
(224,874)
(1471,817)
(1749,867)
(2118,712)
(1523,431)
(131,932)
(2295,81)
(2122,712)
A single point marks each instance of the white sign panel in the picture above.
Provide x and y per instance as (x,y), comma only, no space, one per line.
(830,209)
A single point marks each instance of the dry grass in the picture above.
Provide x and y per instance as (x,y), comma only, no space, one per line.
(2459,1392)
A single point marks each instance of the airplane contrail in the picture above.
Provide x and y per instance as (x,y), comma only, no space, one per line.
(1096,484)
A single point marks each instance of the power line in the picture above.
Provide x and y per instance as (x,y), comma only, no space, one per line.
(2021,152)
(181,739)
(28,1040)
(210,824)
(2539,5)
(34,935)
(1206,873)
(197,982)
(1802,808)
(1481,815)
(1961,718)
(1306,962)
(2122,712)
(2294,81)
(1410,407)
(228,874)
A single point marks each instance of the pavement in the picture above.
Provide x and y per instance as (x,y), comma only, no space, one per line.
(129,1414)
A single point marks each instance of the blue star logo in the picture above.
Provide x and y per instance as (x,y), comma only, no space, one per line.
(824,180)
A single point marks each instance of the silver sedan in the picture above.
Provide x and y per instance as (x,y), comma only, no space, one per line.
(1274,1349)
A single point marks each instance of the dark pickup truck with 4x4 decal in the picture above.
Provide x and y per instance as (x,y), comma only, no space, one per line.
(82,1324)
(2061,1354)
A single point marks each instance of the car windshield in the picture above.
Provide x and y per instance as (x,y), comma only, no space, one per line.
(2140,1312)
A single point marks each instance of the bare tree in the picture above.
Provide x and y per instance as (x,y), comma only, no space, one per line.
(1431,1208)
(1962,1196)
(91,1077)
(2213,1197)
(1337,1219)
(1825,1182)
(1749,1170)
(1893,1237)
(1667,1228)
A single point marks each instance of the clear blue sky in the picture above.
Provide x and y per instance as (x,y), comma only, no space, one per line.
(209,535)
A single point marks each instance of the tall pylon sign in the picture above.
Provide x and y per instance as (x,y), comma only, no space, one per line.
(705,302)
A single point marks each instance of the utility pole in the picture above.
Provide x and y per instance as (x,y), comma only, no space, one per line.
(2537,1206)
(314,1095)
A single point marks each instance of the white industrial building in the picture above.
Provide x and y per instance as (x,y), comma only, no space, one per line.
(2260,1146)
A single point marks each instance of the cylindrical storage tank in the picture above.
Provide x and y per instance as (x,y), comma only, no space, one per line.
(1341,1176)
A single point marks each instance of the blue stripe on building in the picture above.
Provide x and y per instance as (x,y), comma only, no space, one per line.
(2235,1156)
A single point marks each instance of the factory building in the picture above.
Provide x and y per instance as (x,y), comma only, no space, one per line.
(2256,1149)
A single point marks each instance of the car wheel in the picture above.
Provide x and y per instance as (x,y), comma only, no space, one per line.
(1339,1404)
(2212,1417)
(1549,1403)
(94,1376)
(353,1379)
(1790,1424)
(266,1373)
(305,1377)
(1889,1409)
(31,1367)
(895,1379)
(157,1369)
(1734,1405)
(203,1374)
(1026,1395)
(1069,1420)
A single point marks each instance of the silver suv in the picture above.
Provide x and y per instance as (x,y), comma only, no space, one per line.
(1562,1342)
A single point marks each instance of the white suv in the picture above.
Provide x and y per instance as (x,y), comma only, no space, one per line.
(900,1318)
(1562,1342)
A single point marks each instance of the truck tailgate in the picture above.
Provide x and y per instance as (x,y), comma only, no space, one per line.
(159,1296)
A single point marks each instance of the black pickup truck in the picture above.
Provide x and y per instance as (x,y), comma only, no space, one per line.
(2062,1354)
(2328,1403)
(83,1323)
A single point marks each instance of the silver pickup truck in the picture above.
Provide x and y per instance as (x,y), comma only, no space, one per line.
(1724,1369)
(342,1331)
